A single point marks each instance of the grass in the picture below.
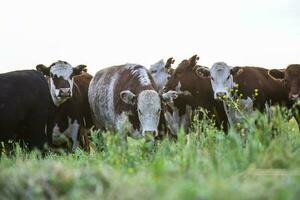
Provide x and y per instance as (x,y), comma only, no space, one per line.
(260,161)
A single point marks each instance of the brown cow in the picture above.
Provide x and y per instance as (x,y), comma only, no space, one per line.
(73,117)
(247,80)
(291,80)
(194,91)
(125,99)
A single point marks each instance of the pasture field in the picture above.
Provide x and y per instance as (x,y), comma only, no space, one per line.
(260,161)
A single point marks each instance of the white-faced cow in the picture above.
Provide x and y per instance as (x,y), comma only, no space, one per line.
(125,99)
(246,80)
(69,91)
(25,107)
(194,91)
(161,72)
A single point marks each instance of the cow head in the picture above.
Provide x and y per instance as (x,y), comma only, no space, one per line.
(60,78)
(291,78)
(221,76)
(148,104)
(160,72)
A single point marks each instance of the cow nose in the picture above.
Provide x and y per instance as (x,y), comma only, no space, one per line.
(221,94)
(294,96)
(150,134)
(65,92)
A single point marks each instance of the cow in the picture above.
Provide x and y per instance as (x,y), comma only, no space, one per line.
(194,92)
(69,91)
(290,77)
(25,108)
(255,88)
(161,72)
(72,119)
(124,98)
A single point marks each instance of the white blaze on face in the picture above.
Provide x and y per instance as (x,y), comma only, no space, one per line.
(159,74)
(221,79)
(63,71)
(149,108)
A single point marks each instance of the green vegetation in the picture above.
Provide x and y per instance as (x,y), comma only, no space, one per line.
(260,161)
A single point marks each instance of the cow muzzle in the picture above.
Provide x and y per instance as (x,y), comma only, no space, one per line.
(221,95)
(294,96)
(64,92)
(150,134)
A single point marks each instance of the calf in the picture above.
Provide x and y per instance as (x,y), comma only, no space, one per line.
(73,118)
(125,99)
(161,72)
(248,81)
(25,107)
(194,91)
(69,90)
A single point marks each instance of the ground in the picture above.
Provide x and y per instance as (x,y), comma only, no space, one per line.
(259,161)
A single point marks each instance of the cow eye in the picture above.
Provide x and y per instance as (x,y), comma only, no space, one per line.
(139,111)
(154,71)
(212,78)
(227,78)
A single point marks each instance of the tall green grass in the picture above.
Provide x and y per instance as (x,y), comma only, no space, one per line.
(260,160)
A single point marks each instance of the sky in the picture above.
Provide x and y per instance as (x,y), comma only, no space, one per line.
(103,33)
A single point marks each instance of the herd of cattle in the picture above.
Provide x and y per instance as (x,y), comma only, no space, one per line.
(60,104)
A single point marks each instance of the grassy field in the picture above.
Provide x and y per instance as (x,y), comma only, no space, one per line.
(260,161)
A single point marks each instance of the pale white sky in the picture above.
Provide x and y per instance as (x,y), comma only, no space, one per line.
(104,33)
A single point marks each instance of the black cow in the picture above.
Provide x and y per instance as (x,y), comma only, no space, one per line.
(25,108)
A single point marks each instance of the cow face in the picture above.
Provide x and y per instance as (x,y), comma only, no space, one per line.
(221,76)
(148,104)
(291,78)
(161,72)
(148,107)
(60,78)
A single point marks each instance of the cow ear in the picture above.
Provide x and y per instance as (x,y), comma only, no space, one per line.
(79,69)
(128,97)
(169,96)
(202,71)
(236,70)
(193,60)
(43,69)
(169,63)
(276,73)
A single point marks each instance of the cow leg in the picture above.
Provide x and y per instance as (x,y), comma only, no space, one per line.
(36,136)
(172,124)
(124,126)
(185,120)
(84,138)
(73,133)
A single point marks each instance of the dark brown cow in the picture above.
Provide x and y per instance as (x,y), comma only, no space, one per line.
(73,117)
(194,91)
(291,80)
(247,80)
(125,99)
